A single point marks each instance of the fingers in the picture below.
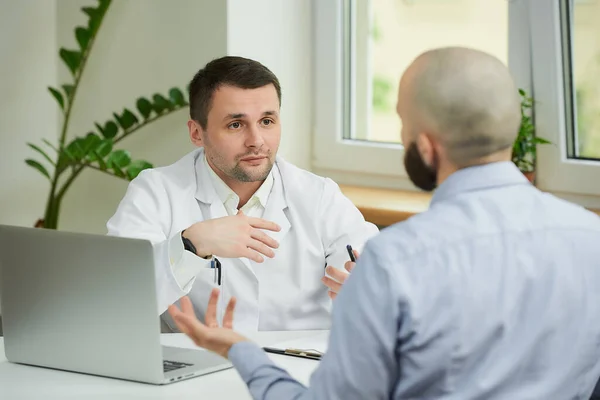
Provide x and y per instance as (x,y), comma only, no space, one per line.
(261,248)
(263,224)
(228,318)
(211,310)
(192,328)
(264,238)
(331,284)
(252,255)
(337,274)
(186,306)
(332,295)
(349,266)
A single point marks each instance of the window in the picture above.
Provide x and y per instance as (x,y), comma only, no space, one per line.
(363,46)
(565,66)
(362,49)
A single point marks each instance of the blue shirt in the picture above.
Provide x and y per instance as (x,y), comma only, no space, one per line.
(493,293)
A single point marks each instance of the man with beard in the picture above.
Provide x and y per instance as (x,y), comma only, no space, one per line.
(233,215)
(490,294)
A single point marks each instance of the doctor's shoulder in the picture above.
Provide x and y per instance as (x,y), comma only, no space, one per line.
(179,175)
(305,187)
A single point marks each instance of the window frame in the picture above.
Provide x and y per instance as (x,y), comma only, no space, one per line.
(555,170)
(380,164)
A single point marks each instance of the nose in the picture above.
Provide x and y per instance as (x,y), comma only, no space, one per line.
(254,137)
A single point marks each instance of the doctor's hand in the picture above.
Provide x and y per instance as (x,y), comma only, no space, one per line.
(233,237)
(208,335)
(339,277)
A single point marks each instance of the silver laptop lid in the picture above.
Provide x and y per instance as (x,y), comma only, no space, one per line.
(80,302)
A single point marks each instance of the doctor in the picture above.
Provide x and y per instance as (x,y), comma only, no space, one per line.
(272,227)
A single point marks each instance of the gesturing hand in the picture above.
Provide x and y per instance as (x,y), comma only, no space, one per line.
(233,237)
(208,335)
(339,277)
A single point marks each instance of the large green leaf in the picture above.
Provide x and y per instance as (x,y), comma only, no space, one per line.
(39,167)
(104,148)
(109,130)
(58,96)
(83,37)
(176,97)
(75,150)
(134,169)
(144,106)
(119,158)
(71,58)
(91,143)
(161,104)
(42,152)
(126,120)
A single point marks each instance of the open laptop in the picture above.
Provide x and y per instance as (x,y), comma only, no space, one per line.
(87,303)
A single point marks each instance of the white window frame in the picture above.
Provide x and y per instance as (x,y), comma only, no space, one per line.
(374,164)
(577,180)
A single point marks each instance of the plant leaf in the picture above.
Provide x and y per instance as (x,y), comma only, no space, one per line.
(71,58)
(68,91)
(161,104)
(75,150)
(144,106)
(540,140)
(134,169)
(176,97)
(119,158)
(118,172)
(104,148)
(38,166)
(109,130)
(42,152)
(126,120)
(90,143)
(58,97)
(100,161)
(83,37)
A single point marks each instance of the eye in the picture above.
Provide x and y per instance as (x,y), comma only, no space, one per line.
(235,125)
(267,122)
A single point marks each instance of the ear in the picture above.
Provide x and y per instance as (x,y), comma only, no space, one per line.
(196,133)
(427,148)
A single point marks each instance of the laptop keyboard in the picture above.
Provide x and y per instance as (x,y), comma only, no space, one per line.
(173,365)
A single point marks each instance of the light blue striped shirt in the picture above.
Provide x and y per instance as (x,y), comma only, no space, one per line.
(493,293)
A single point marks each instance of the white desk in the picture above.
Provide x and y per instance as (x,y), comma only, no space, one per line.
(19,382)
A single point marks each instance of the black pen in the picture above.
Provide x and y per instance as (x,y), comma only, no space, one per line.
(351,253)
(312,355)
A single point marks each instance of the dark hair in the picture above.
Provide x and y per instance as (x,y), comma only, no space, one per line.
(234,71)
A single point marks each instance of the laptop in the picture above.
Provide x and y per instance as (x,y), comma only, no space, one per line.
(87,303)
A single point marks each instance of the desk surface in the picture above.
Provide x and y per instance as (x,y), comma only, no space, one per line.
(25,382)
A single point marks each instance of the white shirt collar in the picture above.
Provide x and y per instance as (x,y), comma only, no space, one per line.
(226,195)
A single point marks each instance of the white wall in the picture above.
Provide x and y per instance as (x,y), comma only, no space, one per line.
(278,34)
(143,47)
(28,112)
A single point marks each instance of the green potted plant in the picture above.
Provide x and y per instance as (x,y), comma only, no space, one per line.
(524,151)
(64,161)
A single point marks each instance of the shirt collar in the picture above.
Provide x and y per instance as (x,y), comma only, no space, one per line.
(479,177)
(225,193)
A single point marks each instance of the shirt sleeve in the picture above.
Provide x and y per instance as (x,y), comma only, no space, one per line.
(184,265)
(343,224)
(361,360)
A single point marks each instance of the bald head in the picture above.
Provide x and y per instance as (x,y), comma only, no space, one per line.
(464,98)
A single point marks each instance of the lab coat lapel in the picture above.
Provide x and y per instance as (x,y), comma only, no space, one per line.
(276,206)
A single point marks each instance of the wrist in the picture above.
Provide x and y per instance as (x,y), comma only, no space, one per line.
(194,247)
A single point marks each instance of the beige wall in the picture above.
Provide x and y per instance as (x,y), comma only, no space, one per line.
(142,48)
(27,111)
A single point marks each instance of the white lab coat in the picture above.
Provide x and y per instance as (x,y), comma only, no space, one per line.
(283,293)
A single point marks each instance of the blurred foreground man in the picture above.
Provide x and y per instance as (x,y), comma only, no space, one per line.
(490,294)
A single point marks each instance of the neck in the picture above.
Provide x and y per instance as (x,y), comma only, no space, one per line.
(447,168)
(244,190)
